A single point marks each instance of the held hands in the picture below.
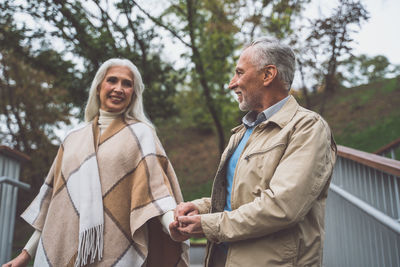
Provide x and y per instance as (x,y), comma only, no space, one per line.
(187,222)
(21,260)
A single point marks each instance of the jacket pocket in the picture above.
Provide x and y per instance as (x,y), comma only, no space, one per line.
(259,165)
(261,152)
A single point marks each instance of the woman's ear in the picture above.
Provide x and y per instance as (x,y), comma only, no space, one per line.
(270,72)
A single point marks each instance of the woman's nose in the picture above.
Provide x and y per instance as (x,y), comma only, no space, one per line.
(118,88)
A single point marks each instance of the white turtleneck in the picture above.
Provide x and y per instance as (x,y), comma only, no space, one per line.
(105,119)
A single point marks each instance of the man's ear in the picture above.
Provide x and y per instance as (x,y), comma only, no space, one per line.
(270,72)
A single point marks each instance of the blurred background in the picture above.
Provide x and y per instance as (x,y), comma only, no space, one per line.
(348,67)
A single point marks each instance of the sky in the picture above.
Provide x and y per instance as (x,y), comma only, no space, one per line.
(380,35)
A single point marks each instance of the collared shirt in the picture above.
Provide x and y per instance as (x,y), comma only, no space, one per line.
(251,119)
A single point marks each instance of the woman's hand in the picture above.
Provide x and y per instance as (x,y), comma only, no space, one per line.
(21,260)
(175,234)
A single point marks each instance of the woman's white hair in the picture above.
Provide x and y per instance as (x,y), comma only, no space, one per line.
(135,109)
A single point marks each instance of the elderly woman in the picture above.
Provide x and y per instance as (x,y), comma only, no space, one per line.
(109,195)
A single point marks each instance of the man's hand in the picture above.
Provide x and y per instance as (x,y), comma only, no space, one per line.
(185,208)
(190,226)
(21,260)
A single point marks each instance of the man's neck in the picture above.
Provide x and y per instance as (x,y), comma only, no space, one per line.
(253,118)
(274,92)
(271,99)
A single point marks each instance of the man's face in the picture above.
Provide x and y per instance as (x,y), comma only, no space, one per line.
(248,83)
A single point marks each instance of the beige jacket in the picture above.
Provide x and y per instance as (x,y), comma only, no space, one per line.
(278,195)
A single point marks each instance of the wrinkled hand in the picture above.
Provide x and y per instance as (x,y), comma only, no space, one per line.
(21,260)
(176,235)
(190,226)
(185,208)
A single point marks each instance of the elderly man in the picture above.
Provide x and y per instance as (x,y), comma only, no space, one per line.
(268,199)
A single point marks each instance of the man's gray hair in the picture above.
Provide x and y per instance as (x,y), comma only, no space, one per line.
(135,109)
(269,51)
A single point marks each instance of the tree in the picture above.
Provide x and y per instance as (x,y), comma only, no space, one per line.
(212,30)
(215,30)
(94,31)
(30,110)
(331,36)
(364,69)
(36,95)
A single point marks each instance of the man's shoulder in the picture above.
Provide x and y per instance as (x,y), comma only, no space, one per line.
(307,114)
(306,117)
(237,128)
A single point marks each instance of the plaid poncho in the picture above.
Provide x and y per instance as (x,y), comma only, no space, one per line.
(138,184)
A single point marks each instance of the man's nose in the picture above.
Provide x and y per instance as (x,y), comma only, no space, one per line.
(232,84)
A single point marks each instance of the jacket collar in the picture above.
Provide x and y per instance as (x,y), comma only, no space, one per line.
(281,118)
(285,114)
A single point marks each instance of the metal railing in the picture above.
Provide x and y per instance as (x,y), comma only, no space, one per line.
(9,184)
(390,150)
(363,211)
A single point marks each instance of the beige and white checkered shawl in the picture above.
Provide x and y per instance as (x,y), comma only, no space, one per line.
(138,184)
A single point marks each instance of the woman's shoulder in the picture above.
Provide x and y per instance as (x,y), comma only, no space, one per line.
(76,130)
(147,138)
(142,130)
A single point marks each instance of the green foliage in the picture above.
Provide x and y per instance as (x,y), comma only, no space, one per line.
(364,69)
(373,137)
(282,14)
(391,85)
(202,190)
(192,111)
(92,33)
(31,107)
(198,241)
(365,117)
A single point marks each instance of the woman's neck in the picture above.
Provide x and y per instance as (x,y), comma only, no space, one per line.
(106,117)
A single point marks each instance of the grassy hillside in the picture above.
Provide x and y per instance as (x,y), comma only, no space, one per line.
(194,155)
(366,117)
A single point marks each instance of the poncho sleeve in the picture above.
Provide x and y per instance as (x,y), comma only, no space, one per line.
(36,212)
(155,190)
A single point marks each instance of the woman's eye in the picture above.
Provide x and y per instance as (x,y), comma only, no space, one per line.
(112,79)
(127,83)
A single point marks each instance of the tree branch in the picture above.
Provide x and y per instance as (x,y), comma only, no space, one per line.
(159,23)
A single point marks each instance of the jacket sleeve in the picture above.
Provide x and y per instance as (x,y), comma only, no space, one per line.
(203,204)
(302,174)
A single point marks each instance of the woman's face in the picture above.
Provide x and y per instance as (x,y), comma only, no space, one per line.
(116,89)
